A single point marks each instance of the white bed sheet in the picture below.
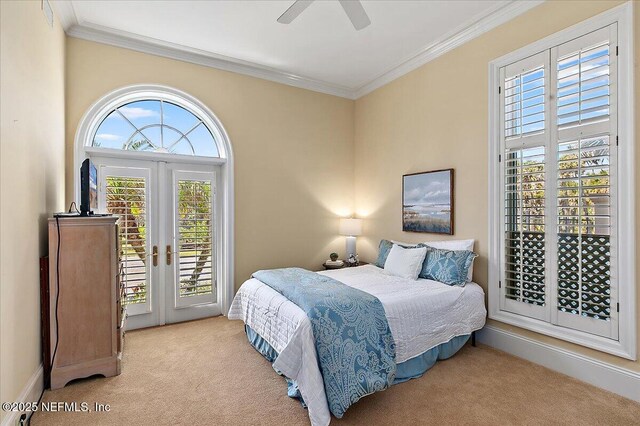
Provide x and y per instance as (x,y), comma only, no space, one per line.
(421,314)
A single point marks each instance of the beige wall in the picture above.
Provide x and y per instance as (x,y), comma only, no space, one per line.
(436,117)
(31,179)
(293,149)
(294,152)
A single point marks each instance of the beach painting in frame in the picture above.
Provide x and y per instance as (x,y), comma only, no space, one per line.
(427,202)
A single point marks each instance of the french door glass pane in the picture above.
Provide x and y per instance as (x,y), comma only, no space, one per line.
(195,242)
(126,198)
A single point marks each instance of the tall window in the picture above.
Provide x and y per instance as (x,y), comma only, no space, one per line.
(557,197)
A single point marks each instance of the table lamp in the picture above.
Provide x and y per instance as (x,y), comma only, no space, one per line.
(351,228)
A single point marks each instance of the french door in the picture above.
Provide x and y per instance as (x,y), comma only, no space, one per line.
(168,227)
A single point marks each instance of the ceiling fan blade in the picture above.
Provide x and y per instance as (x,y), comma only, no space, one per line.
(294,10)
(356,13)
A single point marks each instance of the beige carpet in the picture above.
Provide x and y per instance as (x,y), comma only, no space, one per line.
(206,373)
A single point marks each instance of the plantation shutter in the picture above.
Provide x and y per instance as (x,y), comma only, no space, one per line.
(524,135)
(124,192)
(585,150)
(193,193)
(558,174)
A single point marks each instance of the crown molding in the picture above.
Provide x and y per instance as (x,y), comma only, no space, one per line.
(65,12)
(99,34)
(450,41)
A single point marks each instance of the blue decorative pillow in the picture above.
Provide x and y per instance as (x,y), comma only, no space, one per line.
(385,247)
(383,251)
(450,267)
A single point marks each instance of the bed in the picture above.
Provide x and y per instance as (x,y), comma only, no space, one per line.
(427,319)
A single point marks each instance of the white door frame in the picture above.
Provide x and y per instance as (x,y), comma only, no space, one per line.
(102,107)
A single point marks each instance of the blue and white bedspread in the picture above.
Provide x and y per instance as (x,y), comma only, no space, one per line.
(354,344)
(421,315)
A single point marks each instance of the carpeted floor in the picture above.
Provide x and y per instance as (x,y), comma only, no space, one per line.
(206,373)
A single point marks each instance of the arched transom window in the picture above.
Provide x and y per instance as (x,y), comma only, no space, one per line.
(155,125)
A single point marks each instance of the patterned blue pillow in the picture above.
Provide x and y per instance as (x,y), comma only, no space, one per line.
(385,247)
(383,251)
(450,267)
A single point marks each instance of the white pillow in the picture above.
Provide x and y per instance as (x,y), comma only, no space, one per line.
(455,245)
(405,262)
(451,244)
(445,244)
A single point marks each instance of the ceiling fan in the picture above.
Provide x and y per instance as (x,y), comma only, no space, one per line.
(353,9)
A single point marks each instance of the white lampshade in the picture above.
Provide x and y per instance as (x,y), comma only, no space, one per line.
(350,227)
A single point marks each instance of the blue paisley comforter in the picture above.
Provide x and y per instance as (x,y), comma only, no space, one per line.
(355,348)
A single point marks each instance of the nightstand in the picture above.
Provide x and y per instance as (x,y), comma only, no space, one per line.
(346,265)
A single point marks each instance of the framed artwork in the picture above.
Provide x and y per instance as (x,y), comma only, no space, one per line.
(427,202)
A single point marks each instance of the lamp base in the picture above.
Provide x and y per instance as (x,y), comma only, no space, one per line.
(351,246)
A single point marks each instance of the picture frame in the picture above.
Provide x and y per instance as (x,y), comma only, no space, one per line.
(428,202)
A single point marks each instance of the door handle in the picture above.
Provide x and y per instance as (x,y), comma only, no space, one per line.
(169,254)
(155,255)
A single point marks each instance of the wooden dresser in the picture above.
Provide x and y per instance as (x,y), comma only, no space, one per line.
(90,316)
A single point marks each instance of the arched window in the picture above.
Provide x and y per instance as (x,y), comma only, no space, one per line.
(168,137)
(155,125)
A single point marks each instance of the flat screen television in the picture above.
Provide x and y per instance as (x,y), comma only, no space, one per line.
(88,188)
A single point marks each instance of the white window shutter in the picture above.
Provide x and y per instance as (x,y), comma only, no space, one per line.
(558,169)
(524,135)
(194,238)
(125,193)
(523,102)
(584,135)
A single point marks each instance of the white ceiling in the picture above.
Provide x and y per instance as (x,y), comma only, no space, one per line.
(321,45)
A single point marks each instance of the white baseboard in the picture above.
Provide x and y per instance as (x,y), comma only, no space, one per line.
(30,393)
(601,374)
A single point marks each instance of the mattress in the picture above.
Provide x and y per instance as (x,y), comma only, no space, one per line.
(421,314)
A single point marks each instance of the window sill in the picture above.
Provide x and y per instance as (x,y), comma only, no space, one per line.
(581,338)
